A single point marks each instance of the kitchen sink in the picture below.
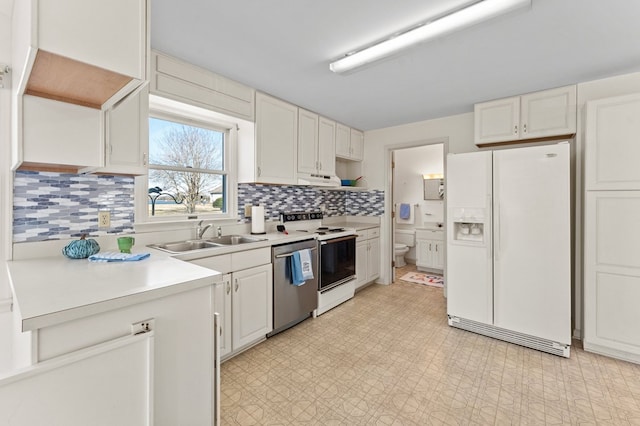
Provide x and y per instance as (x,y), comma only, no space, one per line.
(229,240)
(190,245)
(182,246)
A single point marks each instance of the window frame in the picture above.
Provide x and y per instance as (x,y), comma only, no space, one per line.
(168,109)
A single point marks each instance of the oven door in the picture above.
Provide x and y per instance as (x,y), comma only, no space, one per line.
(337,261)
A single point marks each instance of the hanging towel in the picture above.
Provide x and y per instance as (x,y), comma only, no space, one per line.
(305,261)
(405,211)
(118,257)
(296,269)
(301,269)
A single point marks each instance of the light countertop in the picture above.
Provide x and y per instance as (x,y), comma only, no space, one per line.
(52,290)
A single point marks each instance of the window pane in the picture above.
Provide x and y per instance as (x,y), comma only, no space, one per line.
(182,145)
(182,192)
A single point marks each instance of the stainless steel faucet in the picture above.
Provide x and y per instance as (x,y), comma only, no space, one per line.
(200,230)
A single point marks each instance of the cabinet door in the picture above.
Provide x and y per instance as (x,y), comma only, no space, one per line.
(612,143)
(110,35)
(251,305)
(373,262)
(327,147)
(361,263)
(128,135)
(61,133)
(423,253)
(548,113)
(222,305)
(497,121)
(357,145)
(343,141)
(612,273)
(438,255)
(307,142)
(276,140)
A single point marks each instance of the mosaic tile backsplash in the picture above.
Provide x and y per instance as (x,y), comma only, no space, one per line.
(278,198)
(51,206)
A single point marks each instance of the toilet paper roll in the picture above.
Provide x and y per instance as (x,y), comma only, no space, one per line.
(257,220)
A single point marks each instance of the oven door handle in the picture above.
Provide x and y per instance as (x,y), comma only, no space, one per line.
(280,256)
(337,240)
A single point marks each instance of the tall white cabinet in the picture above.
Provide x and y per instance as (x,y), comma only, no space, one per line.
(611,233)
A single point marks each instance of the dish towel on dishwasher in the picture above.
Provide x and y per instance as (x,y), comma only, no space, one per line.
(301,268)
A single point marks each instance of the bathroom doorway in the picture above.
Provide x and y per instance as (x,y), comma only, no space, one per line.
(418,206)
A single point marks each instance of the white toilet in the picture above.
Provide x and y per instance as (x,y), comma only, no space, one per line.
(405,238)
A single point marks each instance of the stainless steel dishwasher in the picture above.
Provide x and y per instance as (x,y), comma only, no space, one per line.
(292,304)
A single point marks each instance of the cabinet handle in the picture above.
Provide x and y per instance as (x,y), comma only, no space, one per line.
(436,247)
(110,150)
(237,285)
(320,167)
(228,287)
(515,129)
(429,246)
(144,159)
(524,128)
(259,171)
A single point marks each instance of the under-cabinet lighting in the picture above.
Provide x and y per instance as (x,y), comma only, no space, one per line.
(455,20)
(433,176)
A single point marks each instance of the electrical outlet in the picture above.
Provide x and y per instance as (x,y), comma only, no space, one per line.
(104,219)
(247,210)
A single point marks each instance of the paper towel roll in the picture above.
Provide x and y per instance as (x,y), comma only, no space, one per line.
(257,220)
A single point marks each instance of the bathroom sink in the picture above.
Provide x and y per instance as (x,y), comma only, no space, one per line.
(229,240)
(182,246)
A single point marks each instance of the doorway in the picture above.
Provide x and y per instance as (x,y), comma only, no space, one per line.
(407,166)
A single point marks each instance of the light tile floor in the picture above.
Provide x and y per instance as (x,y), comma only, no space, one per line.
(388,357)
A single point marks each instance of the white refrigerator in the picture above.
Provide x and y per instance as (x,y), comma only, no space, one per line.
(508,245)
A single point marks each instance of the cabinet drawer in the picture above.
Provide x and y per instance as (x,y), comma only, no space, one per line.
(220,263)
(374,232)
(429,234)
(250,258)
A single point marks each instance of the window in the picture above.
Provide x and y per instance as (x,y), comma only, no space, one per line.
(190,153)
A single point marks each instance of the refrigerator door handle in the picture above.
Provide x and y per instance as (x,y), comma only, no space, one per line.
(497,233)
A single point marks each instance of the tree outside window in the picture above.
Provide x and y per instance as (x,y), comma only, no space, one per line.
(186,168)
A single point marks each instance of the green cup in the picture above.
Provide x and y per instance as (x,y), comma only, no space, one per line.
(125,244)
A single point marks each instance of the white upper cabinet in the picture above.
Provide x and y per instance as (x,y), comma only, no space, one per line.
(497,121)
(59,133)
(74,60)
(87,52)
(545,114)
(316,144)
(127,136)
(612,143)
(276,141)
(349,143)
(307,142)
(326,147)
(184,82)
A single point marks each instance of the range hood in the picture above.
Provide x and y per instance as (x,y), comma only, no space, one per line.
(318,180)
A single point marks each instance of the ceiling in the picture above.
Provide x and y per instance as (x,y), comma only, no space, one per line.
(283,47)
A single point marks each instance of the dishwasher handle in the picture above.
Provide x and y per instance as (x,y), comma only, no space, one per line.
(280,256)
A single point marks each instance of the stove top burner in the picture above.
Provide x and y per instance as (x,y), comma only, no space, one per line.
(323,230)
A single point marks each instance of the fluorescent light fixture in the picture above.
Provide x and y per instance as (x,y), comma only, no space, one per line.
(477,12)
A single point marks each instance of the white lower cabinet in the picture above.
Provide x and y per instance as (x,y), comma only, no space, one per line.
(612,274)
(367,256)
(430,249)
(244,298)
(180,375)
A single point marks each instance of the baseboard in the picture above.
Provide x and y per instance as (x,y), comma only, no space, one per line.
(611,352)
(5,305)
